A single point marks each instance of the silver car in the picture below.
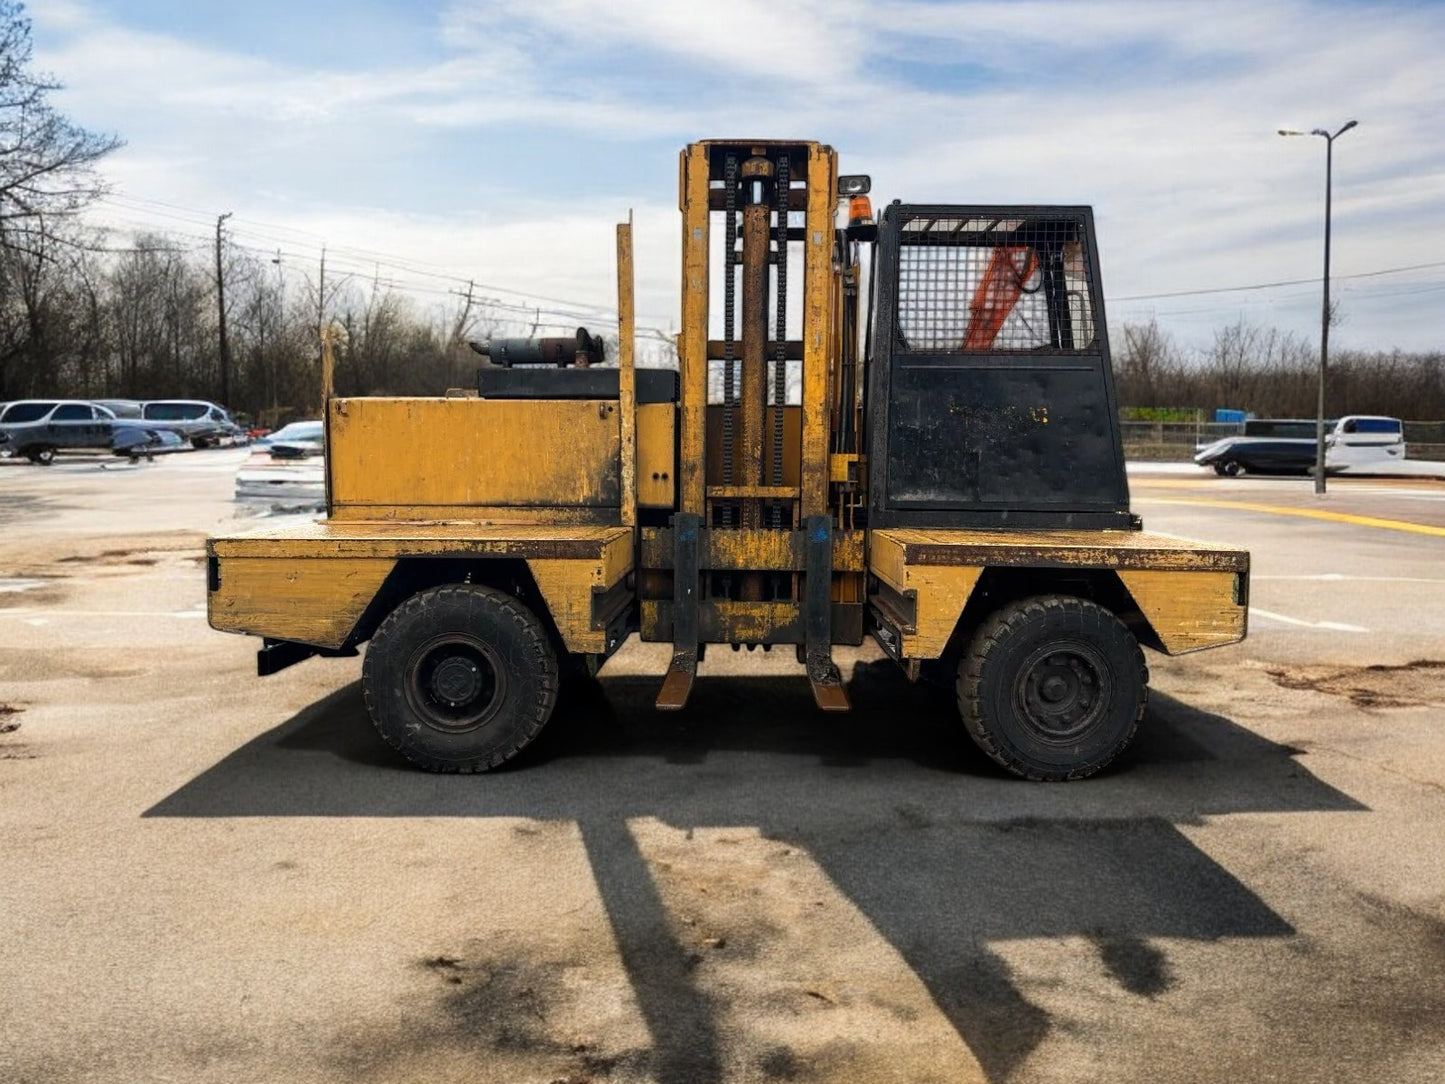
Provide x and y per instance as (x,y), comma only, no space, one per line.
(38,428)
(202,423)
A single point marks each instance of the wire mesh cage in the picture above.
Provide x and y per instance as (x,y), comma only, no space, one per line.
(987,284)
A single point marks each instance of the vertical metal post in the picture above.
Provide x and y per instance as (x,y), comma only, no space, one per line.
(626,373)
(1324,327)
(692,343)
(1329,138)
(221,316)
(818,300)
(328,377)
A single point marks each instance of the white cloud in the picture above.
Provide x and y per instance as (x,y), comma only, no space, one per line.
(1160,114)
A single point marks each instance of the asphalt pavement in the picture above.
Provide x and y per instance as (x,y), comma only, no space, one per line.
(213,877)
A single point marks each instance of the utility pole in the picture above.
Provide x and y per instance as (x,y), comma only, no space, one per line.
(1325,314)
(280,326)
(221,314)
(321,297)
(459,330)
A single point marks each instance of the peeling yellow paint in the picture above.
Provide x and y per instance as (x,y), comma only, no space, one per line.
(465,454)
(314,600)
(1188,611)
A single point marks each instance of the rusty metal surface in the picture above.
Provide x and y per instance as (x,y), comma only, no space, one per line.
(755,342)
(356,538)
(792,429)
(626,376)
(725,549)
(656,430)
(793,349)
(692,342)
(459,455)
(818,317)
(1096,549)
(739,621)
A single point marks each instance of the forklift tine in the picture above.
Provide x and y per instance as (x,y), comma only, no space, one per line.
(677,685)
(828,692)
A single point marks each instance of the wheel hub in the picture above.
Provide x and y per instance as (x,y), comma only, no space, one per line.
(455,683)
(1063,692)
(456,680)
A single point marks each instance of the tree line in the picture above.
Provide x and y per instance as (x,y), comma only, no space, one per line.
(84,317)
(81,318)
(1273,374)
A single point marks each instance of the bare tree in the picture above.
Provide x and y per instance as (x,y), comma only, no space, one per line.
(47,163)
(1147,363)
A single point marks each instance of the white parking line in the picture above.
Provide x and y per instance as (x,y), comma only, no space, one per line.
(1326,626)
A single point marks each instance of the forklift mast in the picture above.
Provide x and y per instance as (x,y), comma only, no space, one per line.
(762,542)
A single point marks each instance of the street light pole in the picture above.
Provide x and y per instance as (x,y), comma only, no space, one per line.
(1325,308)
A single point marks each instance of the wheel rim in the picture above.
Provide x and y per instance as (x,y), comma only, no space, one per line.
(455,683)
(1063,689)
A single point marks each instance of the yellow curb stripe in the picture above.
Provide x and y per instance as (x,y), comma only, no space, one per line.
(1304,513)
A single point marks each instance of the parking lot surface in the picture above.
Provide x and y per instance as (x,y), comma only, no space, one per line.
(212,877)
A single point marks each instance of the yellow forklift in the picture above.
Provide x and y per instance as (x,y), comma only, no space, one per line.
(930,458)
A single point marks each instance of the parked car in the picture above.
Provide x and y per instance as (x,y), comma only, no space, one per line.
(1258,455)
(121,408)
(134,440)
(1287,446)
(299,440)
(286,468)
(38,428)
(202,423)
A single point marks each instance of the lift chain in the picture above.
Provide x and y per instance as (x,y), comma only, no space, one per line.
(780,344)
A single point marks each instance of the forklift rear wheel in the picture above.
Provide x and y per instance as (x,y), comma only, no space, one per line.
(1052,687)
(460,678)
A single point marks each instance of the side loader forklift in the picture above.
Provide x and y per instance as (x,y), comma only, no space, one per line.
(927,455)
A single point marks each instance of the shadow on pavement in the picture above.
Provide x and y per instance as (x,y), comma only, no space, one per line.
(940,851)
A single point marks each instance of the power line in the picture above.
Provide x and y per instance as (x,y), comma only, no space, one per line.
(195,217)
(1282,282)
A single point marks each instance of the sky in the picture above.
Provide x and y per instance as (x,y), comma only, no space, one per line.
(429,143)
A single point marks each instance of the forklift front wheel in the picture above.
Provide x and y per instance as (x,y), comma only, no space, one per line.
(460,678)
(1052,687)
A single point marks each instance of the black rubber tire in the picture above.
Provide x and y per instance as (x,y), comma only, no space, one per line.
(42,456)
(1231,468)
(1219,469)
(492,636)
(1052,687)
